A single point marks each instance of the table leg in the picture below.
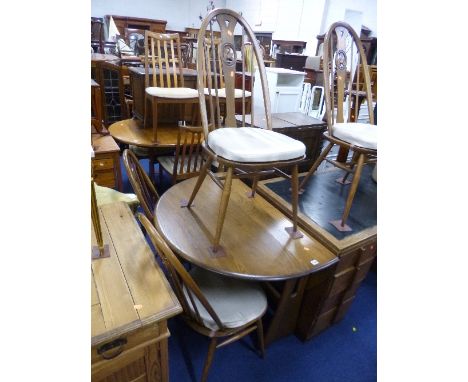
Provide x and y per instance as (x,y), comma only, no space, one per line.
(287,310)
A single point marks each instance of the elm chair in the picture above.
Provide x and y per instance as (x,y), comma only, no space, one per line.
(141,183)
(343,53)
(213,56)
(163,57)
(187,159)
(240,151)
(219,307)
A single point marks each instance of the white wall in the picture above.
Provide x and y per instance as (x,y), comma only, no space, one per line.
(337,8)
(179,14)
(299,20)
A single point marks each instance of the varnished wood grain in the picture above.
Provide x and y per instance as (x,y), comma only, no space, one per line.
(148,286)
(131,131)
(131,289)
(256,243)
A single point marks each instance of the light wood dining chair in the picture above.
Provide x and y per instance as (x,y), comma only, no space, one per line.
(141,183)
(239,151)
(166,85)
(215,306)
(187,159)
(342,56)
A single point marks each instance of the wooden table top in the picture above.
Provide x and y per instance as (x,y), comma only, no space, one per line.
(103,144)
(320,187)
(131,131)
(141,71)
(281,120)
(128,289)
(257,245)
(103,57)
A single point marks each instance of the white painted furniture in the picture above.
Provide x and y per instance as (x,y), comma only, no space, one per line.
(285,88)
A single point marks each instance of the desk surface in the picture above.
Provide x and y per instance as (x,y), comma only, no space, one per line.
(141,71)
(257,245)
(282,120)
(128,289)
(103,57)
(130,131)
(324,200)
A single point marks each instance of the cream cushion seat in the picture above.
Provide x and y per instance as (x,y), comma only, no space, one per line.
(236,302)
(106,195)
(247,144)
(222,93)
(172,92)
(357,134)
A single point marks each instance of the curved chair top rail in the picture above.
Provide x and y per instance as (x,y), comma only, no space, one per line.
(343,54)
(212,78)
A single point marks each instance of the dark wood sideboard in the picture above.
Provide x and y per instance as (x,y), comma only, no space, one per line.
(124,22)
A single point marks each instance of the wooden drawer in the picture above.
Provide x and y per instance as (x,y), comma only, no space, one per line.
(132,349)
(101,177)
(358,256)
(133,340)
(343,309)
(103,164)
(342,281)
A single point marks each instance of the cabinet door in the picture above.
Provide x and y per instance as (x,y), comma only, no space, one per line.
(286,100)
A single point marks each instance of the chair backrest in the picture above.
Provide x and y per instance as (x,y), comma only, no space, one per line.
(213,107)
(342,55)
(163,55)
(184,286)
(141,184)
(188,153)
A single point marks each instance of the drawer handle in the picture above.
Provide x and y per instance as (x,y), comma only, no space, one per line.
(118,343)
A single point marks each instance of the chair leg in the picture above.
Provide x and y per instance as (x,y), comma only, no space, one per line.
(151,166)
(293,232)
(252,192)
(223,207)
(201,178)
(155,119)
(261,342)
(145,112)
(351,166)
(316,164)
(352,190)
(209,359)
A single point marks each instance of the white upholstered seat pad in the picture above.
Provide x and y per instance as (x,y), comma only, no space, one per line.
(222,93)
(247,144)
(172,92)
(236,302)
(357,134)
(106,195)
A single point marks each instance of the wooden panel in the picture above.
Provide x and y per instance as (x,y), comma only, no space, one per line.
(104,177)
(134,339)
(114,295)
(343,309)
(142,274)
(342,281)
(102,164)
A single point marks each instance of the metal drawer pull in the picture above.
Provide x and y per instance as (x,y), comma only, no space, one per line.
(118,343)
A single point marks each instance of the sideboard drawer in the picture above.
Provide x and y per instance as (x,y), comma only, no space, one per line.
(103,164)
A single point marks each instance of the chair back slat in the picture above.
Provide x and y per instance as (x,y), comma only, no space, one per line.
(216,66)
(163,58)
(188,153)
(141,184)
(346,75)
(180,278)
